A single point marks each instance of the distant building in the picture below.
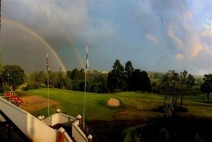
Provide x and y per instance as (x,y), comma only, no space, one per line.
(105,72)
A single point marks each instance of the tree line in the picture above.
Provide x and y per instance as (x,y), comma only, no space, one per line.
(70,80)
(173,85)
(118,79)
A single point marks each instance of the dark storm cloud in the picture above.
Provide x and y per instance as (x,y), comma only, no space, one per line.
(63,24)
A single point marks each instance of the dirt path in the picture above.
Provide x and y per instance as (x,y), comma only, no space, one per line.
(33,103)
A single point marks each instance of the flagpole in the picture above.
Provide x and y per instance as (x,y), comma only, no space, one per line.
(48,91)
(84,104)
(84,98)
(47,65)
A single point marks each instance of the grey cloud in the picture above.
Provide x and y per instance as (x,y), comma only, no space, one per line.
(65,25)
(62,19)
(19,46)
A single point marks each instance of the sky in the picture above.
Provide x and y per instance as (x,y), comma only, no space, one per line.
(155,35)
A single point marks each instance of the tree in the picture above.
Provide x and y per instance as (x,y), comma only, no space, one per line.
(36,80)
(61,79)
(33,77)
(98,85)
(78,79)
(41,78)
(13,75)
(136,80)
(174,85)
(74,74)
(140,81)
(187,85)
(190,81)
(68,74)
(206,87)
(38,77)
(77,75)
(184,80)
(116,77)
(170,87)
(68,83)
(145,82)
(128,74)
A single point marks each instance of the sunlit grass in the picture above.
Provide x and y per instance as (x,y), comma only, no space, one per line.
(134,105)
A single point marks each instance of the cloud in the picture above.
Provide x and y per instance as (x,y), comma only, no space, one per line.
(24,47)
(189,15)
(183,27)
(172,34)
(207,32)
(103,29)
(59,19)
(180,29)
(196,49)
(151,38)
(180,56)
(66,25)
(207,29)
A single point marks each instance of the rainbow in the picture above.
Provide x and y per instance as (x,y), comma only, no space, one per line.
(38,37)
(80,61)
(76,53)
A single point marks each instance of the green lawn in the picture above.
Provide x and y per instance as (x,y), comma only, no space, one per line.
(133,105)
(136,109)
(198,107)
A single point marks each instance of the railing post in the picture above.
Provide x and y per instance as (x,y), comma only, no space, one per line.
(61,135)
(79,117)
(90,138)
(58,110)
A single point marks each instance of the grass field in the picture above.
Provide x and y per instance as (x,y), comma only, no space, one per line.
(135,109)
(133,105)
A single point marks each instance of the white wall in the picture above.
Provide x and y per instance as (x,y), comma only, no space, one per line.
(63,118)
(35,129)
(58,118)
(39,131)
(51,120)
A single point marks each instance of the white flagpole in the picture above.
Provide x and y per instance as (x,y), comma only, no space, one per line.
(47,64)
(48,92)
(86,69)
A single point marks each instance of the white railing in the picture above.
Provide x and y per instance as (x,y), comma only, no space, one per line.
(67,138)
(58,118)
(39,131)
(33,128)
(77,133)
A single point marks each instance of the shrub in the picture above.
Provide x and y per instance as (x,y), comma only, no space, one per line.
(31,86)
